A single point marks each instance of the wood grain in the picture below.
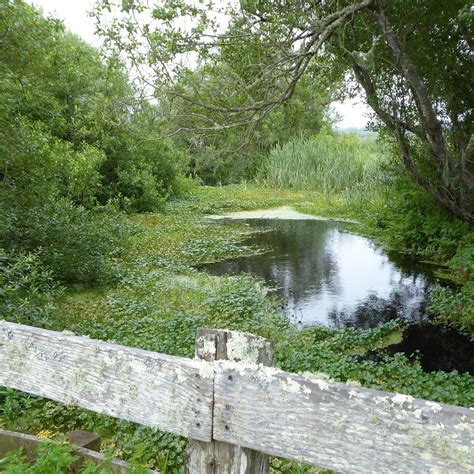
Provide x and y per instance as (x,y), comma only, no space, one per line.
(168,393)
(338,426)
(246,409)
(218,457)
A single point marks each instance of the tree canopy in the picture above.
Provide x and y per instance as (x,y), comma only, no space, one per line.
(412,59)
(76,145)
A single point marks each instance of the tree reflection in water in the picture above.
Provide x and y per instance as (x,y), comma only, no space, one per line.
(327,276)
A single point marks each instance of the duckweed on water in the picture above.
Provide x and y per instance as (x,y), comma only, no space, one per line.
(161,299)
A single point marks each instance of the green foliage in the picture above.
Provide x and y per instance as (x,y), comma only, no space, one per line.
(160,301)
(412,221)
(73,139)
(28,290)
(455,307)
(51,457)
(239,301)
(56,458)
(71,125)
(327,163)
(75,243)
(412,60)
(231,155)
(142,169)
(38,166)
(462,263)
(409,220)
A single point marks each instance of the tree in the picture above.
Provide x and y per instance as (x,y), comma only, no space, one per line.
(71,124)
(233,154)
(412,58)
(227,154)
(71,139)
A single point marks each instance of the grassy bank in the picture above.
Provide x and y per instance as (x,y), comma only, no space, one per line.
(160,300)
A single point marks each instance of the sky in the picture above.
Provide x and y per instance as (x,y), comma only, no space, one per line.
(353,112)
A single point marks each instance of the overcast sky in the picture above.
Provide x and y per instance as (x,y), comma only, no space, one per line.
(74,15)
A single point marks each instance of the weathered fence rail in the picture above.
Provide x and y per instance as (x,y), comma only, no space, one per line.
(152,389)
(235,408)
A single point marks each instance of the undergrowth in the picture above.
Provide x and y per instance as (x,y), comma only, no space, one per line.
(57,458)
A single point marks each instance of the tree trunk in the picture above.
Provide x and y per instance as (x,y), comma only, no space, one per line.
(399,130)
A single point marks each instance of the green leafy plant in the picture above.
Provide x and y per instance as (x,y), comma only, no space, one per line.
(28,290)
(77,244)
(160,300)
(50,458)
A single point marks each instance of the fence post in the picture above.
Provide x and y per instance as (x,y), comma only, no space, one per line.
(218,457)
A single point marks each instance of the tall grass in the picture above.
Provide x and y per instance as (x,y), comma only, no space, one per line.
(332,164)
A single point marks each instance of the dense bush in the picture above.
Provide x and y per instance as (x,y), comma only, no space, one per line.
(76,243)
(145,173)
(27,289)
(70,120)
(73,138)
(413,222)
(455,307)
(39,167)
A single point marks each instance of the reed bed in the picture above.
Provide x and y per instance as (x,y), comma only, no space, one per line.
(332,164)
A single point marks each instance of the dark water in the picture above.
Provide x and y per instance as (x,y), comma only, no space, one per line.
(440,348)
(326,276)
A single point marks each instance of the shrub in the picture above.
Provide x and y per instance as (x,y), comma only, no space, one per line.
(27,289)
(51,458)
(71,124)
(141,173)
(39,166)
(455,308)
(412,222)
(76,243)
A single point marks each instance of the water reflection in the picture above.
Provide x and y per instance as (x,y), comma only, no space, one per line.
(327,276)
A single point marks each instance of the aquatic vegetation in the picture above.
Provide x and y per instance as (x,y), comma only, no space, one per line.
(161,299)
(82,147)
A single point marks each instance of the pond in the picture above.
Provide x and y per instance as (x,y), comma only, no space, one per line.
(325,275)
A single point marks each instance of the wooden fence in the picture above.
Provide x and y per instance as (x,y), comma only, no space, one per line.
(236,409)
(85,446)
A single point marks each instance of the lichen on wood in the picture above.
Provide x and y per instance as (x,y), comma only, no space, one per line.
(340,427)
(157,390)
